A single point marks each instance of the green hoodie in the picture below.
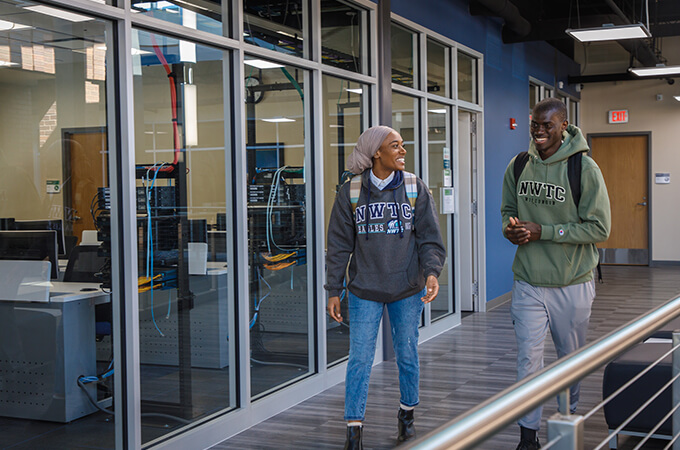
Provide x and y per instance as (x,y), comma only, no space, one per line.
(566,253)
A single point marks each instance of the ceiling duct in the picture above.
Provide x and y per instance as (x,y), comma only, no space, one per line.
(504,9)
(638,48)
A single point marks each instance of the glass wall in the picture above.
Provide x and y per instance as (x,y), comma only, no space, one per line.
(185,315)
(54,154)
(438,68)
(441,182)
(405,120)
(197,15)
(404,56)
(467,78)
(277,25)
(343,36)
(279,300)
(344,103)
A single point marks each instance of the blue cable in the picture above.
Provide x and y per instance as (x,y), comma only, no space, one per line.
(149,254)
(259,302)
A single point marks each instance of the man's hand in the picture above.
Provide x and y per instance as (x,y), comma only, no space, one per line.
(431,289)
(333,308)
(534,230)
(517,233)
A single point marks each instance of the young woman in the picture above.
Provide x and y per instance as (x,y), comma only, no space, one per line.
(387,222)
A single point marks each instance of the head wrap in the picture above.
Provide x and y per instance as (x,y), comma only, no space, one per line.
(367,145)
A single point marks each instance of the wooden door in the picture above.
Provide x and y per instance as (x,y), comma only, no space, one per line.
(624,164)
(86,170)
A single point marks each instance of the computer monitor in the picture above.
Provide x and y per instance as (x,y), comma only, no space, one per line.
(221,223)
(45,224)
(38,245)
(198,230)
(267,155)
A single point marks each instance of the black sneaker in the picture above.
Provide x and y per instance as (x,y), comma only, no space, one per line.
(526,444)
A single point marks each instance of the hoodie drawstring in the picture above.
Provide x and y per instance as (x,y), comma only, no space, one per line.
(368,209)
(401,225)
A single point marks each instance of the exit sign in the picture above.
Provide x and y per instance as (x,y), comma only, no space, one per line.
(618,116)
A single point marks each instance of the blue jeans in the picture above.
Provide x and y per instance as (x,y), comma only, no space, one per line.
(364,319)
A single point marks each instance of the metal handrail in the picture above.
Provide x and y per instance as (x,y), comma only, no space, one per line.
(491,416)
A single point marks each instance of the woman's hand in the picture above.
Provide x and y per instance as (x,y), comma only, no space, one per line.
(431,289)
(333,308)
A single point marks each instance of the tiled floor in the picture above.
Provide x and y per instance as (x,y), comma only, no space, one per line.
(460,369)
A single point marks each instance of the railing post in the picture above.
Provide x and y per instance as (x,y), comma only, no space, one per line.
(676,390)
(569,430)
(563,405)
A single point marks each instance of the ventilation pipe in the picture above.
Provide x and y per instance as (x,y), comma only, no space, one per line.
(636,47)
(505,10)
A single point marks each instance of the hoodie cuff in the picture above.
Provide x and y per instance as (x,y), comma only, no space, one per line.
(334,293)
(547,232)
(427,273)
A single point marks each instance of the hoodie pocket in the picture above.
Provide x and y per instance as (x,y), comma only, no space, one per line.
(568,250)
(413,272)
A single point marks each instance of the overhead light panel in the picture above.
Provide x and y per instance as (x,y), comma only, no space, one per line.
(262,64)
(609,32)
(278,120)
(438,111)
(677,97)
(58,13)
(7,63)
(11,26)
(659,70)
(355,91)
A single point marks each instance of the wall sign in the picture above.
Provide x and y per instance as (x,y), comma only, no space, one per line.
(618,116)
(663,178)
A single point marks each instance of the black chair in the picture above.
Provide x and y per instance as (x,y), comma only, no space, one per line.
(84,265)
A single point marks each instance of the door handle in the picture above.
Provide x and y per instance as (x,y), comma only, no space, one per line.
(643,204)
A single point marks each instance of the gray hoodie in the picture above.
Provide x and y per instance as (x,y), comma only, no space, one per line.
(392,253)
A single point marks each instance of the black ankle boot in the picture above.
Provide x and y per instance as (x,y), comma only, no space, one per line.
(405,424)
(353,441)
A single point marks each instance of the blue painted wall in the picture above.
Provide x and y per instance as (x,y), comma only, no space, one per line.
(507,68)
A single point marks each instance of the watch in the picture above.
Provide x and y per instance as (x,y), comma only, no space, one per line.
(254,96)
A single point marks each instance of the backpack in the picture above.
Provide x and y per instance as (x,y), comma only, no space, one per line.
(574,176)
(410,183)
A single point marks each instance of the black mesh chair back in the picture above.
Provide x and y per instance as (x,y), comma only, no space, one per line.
(84,264)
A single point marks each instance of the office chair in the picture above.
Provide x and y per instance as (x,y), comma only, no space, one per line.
(84,264)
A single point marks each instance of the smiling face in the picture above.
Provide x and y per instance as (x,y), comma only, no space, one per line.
(390,156)
(546,131)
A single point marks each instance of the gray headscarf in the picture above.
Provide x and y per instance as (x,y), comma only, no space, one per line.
(367,145)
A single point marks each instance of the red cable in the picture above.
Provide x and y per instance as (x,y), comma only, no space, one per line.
(173,102)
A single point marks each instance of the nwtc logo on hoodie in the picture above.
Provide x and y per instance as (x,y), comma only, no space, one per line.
(536,189)
(394,226)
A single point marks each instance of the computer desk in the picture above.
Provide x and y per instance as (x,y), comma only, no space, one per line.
(44,348)
(209,325)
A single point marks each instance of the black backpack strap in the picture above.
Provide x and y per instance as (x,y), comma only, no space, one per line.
(520,162)
(574,174)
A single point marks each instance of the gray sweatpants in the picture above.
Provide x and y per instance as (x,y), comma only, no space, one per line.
(566,312)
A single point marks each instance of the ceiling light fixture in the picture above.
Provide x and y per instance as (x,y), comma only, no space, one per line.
(278,120)
(11,26)
(438,111)
(262,64)
(355,91)
(609,32)
(7,63)
(677,97)
(58,13)
(659,70)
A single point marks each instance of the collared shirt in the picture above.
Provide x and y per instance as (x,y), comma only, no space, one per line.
(380,184)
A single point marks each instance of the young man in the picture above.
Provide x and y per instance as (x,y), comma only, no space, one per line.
(556,253)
